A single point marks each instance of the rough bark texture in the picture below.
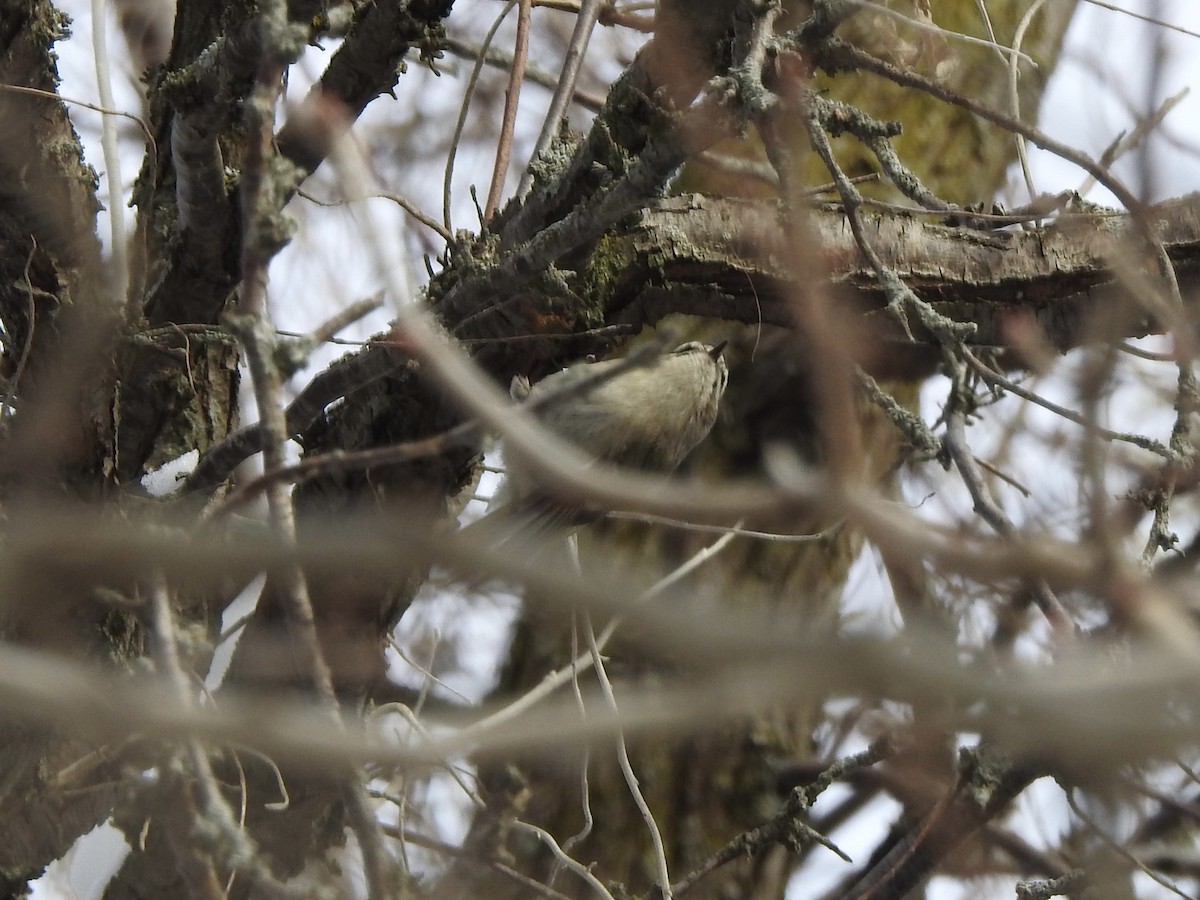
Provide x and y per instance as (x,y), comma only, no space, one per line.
(50,298)
(119,389)
(708,257)
(730,258)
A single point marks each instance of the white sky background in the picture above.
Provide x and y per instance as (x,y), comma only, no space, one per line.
(1100,89)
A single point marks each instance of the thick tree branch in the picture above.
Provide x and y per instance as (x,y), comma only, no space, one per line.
(190,218)
(365,66)
(727,259)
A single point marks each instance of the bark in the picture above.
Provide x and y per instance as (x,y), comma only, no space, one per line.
(191,229)
(594,244)
(747,261)
(56,315)
(678,258)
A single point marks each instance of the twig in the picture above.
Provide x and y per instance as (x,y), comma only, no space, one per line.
(27,345)
(1161,23)
(292,355)
(987,783)
(943,32)
(573,865)
(990,374)
(585,790)
(339,380)
(997,472)
(1126,142)
(1014,97)
(740,167)
(589,10)
(735,531)
(454,850)
(631,781)
(1183,451)
(112,158)
(786,826)
(1126,347)
(403,202)
(460,435)
(240,852)
(900,296)
(460,124)
(1121,851)
(539,76)
(909,423)
(151,146)
(253,326)
(838,53)
(512,98)
(959,452)
(426,673)
(559,677)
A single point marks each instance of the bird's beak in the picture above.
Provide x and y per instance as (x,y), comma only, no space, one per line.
(715,352)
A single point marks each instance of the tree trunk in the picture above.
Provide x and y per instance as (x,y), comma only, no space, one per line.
(705,792)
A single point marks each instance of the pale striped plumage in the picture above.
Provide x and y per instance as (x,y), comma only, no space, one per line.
(649,417)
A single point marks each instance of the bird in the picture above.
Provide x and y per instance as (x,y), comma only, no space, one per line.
(645,417)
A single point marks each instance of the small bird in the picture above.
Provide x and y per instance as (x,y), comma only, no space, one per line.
(647,417)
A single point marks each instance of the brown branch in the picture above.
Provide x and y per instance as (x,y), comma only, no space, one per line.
(252,323)
(678,257)
(838,54)
(366,65)
(1062,273)
(341,379)
(512,99)
(466,434)
(987,784)
(585,21)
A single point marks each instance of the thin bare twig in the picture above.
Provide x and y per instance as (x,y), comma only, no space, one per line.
(539,76)
(1014,97)
(1153,20)
(253,326)
(631,781)
(1122,851)
(151,145)
(403,202)
(581,662)
(292,355)
(567,861)
(959,452)
(512,99)
(468,93)
(943,32)
(241,854)
(991,375)
(27,345)
(589,10)
(112,159)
